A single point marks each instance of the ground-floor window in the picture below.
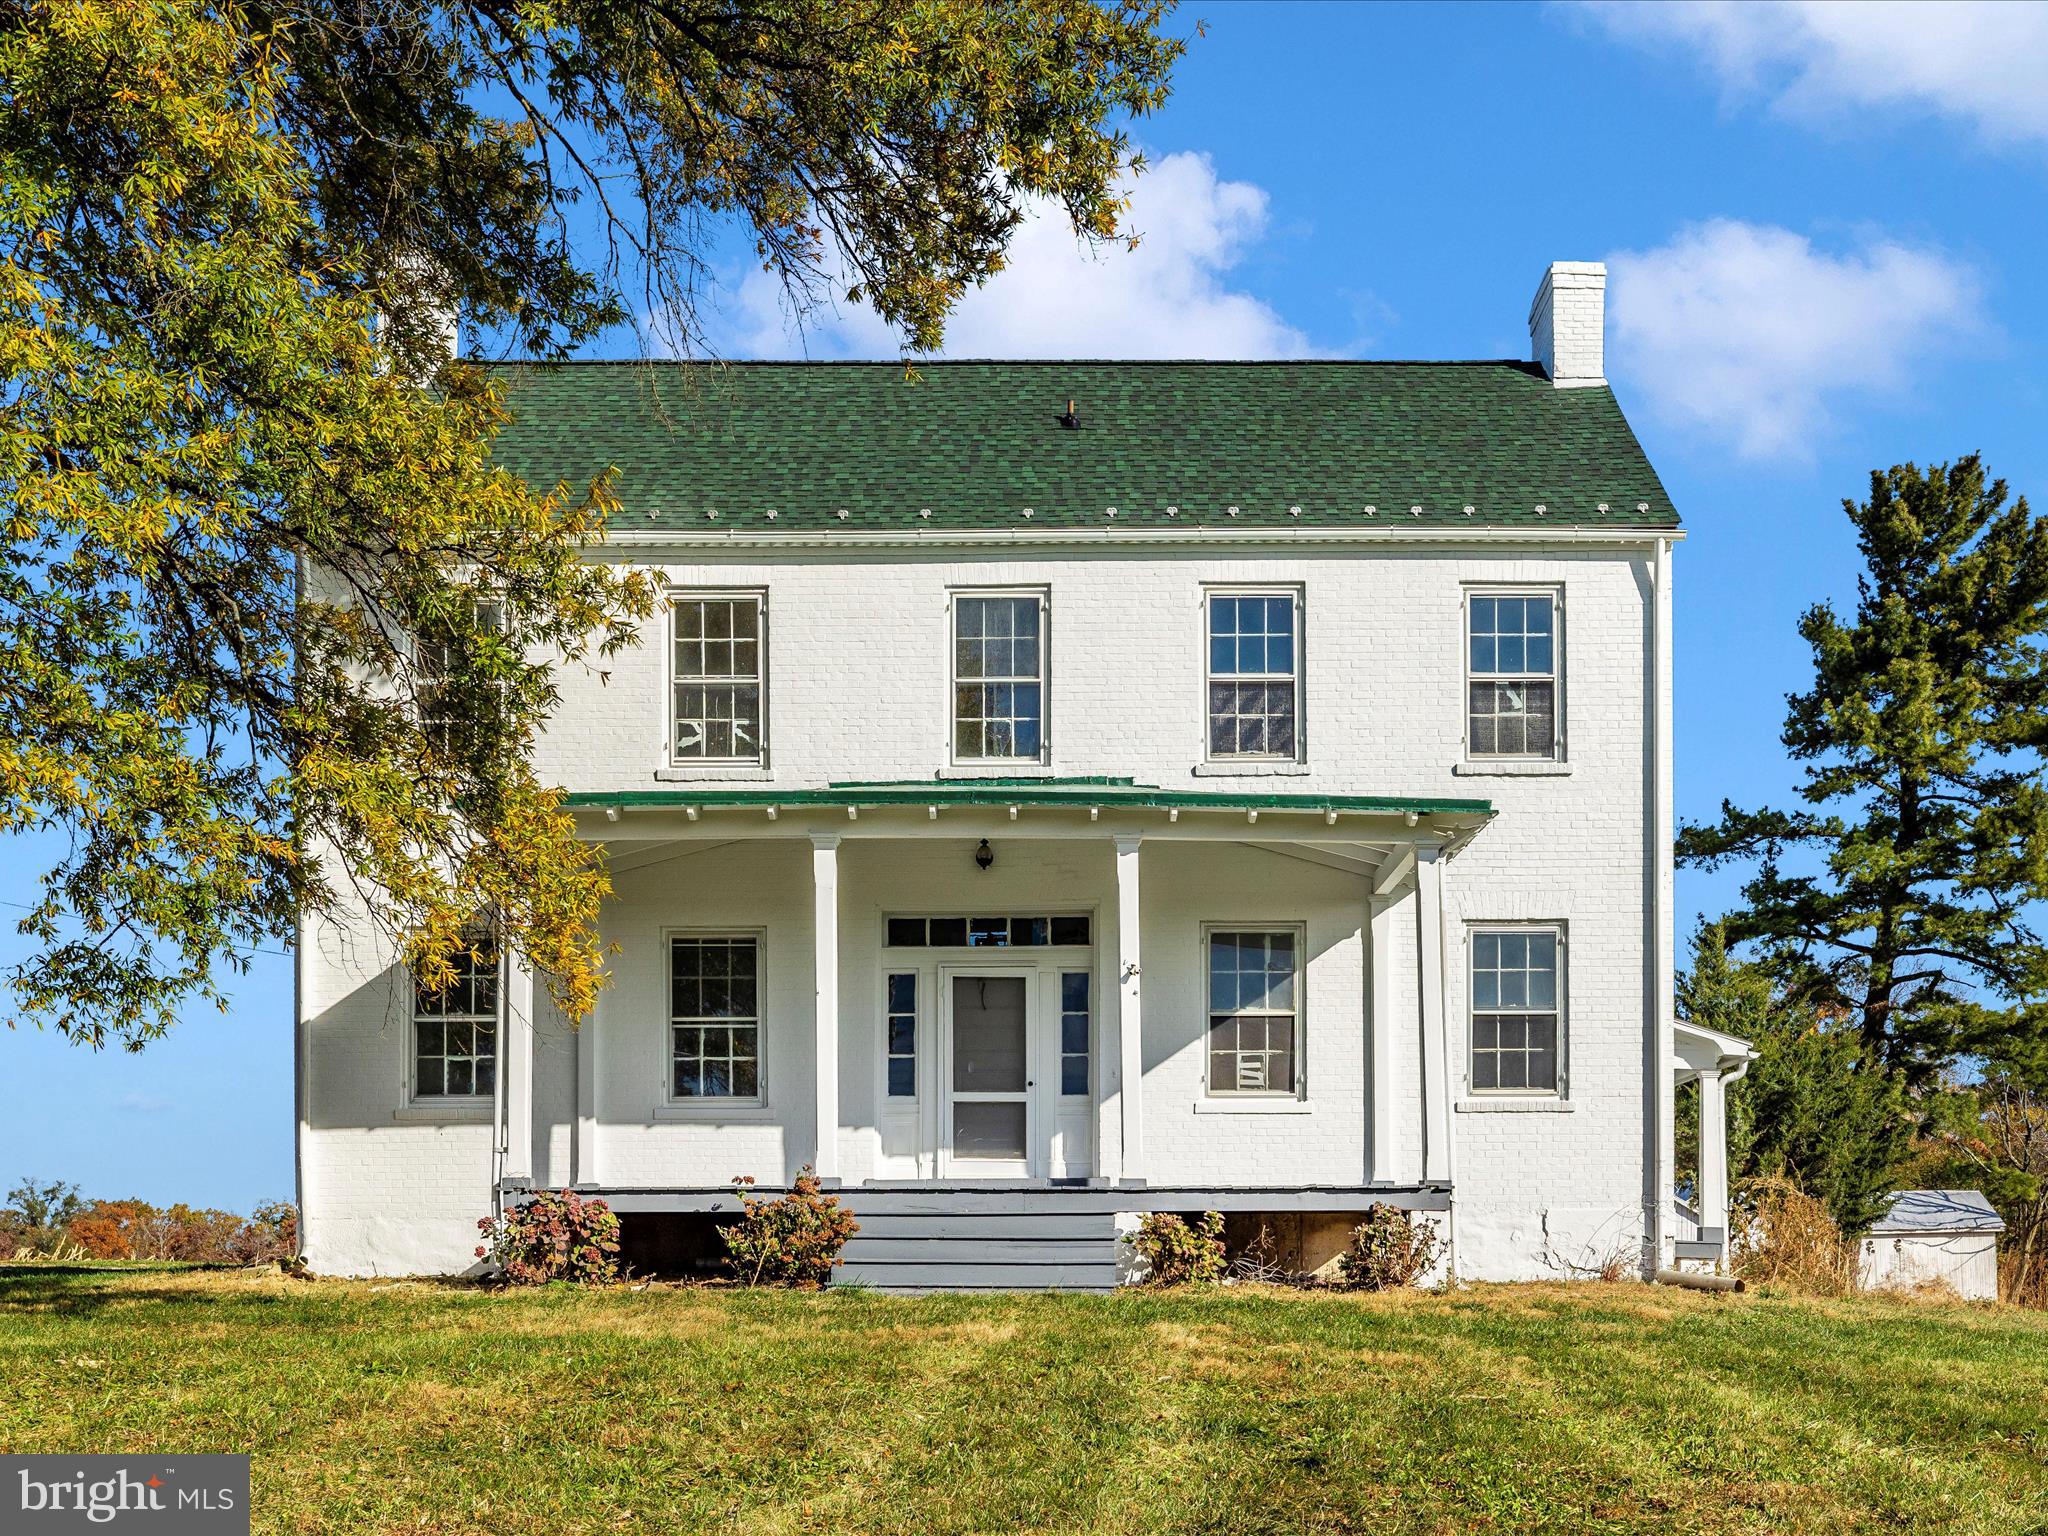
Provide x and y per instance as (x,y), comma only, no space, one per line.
(1515,992)
(455,1030)
(715,1021)
(902,1041)
(1254,1011)
(1074,1032)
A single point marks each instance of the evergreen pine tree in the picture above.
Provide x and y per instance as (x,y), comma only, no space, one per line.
(1898,895)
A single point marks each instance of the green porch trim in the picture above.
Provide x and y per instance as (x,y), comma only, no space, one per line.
(1058,793)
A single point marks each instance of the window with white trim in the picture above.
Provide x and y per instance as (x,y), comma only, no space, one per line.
(998,677)
(1516,1021)
(901,1045)
(1511,687)
(1254,677)
(714,1018)
(455,1030)
(718,677)
(435,655)
(1074,1033)
(1254,1011)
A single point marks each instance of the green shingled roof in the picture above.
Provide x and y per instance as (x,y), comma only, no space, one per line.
(976,443)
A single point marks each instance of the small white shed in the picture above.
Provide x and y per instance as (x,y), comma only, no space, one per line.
(1945,1235)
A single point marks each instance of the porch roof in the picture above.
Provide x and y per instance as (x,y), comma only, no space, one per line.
(1063,793)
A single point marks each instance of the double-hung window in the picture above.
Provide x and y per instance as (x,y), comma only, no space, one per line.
(1254,1011)
(715,1018)
(1511,703)
(1516,1017)
(455,1030)
(999,677)
(1254,674)
(718,678)
(442,716)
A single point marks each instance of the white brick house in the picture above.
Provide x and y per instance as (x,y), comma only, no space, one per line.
(1056,791)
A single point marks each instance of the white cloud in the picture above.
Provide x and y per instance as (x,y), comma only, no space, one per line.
(1825,60)
(1750,336)
(142,1104)
(1058,298)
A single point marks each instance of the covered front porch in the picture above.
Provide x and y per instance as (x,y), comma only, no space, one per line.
(1012,986)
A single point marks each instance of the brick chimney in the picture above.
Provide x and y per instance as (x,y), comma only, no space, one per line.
(1568,323)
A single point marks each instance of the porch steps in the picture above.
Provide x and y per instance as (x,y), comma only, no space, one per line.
(906,1243)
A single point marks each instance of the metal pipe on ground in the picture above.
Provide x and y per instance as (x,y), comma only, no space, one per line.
(1692,1282)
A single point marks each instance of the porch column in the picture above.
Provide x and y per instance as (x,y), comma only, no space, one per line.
(585,1171)
(1712,1194)
(825,887)
(1429,932)
(1130,1027)
(515,1065)
(1379,928)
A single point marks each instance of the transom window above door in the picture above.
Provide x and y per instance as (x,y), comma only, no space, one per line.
(718,675)
(1254,667)
(999,677)
(985,932)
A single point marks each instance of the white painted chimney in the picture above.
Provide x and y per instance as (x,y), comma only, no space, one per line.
(1568,323)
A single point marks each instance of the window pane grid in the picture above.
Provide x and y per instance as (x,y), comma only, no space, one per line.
(714,1019)
(1514,1010)
(985,932)
(998,677)
(717,678)
(1252,681)
(1253,1012)
(1511,705)
(1075,1029)
(901,1042)
(455,1031)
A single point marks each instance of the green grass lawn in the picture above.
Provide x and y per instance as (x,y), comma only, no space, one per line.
(420,1408)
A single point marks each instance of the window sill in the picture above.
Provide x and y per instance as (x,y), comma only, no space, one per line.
(712,773)
(1250,768)
(443,1114)
(712,1111)
(1512,768)
(1227,1106)
(1510,1104)
(1027,768)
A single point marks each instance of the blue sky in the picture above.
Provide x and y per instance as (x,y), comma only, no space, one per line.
(1825,225)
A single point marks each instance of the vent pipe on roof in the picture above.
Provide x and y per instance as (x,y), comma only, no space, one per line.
(1070,421)
(1568,323)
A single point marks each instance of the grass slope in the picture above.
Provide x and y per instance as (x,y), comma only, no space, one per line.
(418,1408)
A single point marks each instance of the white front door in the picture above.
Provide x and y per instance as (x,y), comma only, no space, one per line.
(985,1118)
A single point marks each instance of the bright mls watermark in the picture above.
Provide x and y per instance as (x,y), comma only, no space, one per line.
(162,1495)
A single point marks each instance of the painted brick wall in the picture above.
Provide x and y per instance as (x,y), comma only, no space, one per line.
(857,659)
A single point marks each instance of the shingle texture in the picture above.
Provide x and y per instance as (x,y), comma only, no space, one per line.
(971,445)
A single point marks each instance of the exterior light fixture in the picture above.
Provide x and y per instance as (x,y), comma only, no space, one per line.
(984,855)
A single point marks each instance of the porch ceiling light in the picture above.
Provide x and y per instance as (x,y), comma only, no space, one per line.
(984,855)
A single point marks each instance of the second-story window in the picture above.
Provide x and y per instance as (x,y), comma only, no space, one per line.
(1254,674)
(718,678)
(998,677)
(1511,693)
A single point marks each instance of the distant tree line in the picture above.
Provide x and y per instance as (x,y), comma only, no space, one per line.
(51,1221)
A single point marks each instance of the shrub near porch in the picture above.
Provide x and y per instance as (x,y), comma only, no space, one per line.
(387,1407)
